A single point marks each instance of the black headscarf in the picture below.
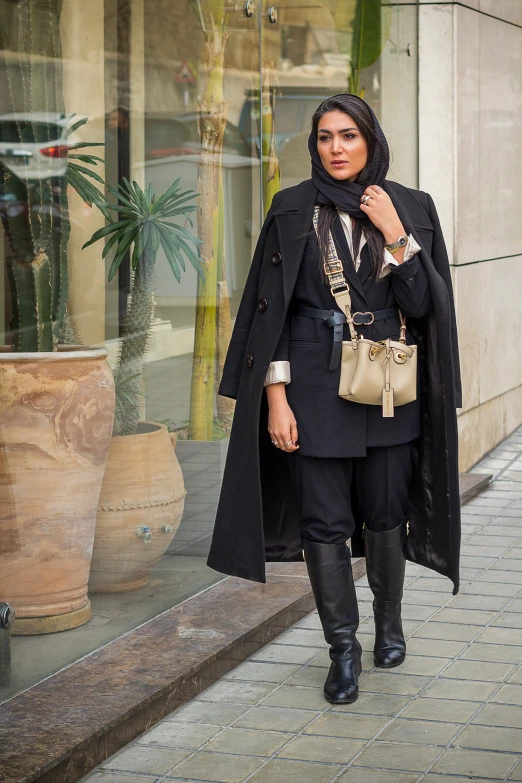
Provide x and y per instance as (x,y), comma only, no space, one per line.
(343,194)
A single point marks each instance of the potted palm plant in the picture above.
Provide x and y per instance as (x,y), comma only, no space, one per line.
(142,496)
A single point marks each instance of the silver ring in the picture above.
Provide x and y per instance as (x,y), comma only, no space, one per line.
(274,443)
(365,200)
(290,443)
(377,189)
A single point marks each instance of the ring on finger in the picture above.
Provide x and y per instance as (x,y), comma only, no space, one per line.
(377,189)
(289,443)
(365,200)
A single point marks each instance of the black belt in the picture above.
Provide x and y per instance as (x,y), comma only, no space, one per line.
(335,319)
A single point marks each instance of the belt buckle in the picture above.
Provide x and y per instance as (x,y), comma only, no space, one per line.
(363,323)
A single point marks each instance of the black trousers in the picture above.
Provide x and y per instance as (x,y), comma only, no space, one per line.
(329,490)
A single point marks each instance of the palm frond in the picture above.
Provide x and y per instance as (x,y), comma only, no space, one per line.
(143,220)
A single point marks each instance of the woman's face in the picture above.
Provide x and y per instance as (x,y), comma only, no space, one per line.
(341,146)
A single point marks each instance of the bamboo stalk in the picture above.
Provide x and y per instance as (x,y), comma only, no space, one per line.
(270,163)
(212,123)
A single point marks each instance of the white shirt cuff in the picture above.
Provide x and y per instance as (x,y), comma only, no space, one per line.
(411,249)
(278,372)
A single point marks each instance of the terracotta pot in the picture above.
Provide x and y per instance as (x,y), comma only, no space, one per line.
(56,418)
(140,509)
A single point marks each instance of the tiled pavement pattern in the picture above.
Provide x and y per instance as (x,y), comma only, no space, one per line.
(451,712)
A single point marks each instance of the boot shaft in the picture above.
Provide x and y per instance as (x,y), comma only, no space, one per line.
(386,563)
(330,571)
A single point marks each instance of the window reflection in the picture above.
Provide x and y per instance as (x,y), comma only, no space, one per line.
(150,83)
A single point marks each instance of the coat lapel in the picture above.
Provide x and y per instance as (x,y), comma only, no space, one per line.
(294,223)
(365,267)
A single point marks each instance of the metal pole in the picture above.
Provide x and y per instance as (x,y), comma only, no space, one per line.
(7,616)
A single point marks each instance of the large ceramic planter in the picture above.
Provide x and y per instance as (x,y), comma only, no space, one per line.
(56,418)
(140,509)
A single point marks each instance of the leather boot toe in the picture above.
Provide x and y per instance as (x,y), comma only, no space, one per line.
(389,657)
(341,686)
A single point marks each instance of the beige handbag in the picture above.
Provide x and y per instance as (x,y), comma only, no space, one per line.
(373,373)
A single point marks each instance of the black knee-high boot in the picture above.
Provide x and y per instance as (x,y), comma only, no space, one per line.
(330,571)
(385,569)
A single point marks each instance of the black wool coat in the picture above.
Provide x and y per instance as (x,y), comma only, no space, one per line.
(257,517)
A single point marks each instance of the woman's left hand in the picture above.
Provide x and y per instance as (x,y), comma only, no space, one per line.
(382,213)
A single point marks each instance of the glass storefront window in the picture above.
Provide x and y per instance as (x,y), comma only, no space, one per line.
(103,525)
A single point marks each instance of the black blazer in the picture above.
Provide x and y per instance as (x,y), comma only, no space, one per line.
(329,426)
(257,516)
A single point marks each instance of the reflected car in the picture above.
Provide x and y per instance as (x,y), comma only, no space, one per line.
(34,146)
(168,136)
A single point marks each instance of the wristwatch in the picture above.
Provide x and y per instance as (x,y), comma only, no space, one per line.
(393,247)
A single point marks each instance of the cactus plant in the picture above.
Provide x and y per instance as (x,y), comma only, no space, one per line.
(38,231)
(38,224)
(144,223)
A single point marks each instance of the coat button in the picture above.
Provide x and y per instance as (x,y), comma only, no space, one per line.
(262,305)
(250,361)
(276,259)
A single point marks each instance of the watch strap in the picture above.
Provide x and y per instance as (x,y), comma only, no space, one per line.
(393,247)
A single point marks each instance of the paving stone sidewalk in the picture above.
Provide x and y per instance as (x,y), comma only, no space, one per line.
(451,712)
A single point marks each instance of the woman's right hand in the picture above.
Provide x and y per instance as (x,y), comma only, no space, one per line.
(282,425)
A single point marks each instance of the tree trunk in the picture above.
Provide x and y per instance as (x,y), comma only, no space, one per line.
(135,338)
(270,162)
(212,122)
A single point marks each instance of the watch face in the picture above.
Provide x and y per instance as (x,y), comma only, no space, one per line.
(402,241)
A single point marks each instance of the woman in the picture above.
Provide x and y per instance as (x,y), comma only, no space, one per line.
(307,470)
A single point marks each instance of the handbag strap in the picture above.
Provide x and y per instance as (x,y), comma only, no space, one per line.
(339,287)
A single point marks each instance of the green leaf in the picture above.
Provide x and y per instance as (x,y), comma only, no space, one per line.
(171,258)
(370,32)
(139,245)
(78,145)
(120,195)
(181,231)
(93,159)
(115,265)
(78,124)
(123,246)
(87,172)
(191,255)
(117,237)
(90,194)
(170,241)
(155,238)
(181,200)
(104,231)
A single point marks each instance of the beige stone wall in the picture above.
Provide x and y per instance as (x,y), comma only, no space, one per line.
(399,84)
(470,115)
